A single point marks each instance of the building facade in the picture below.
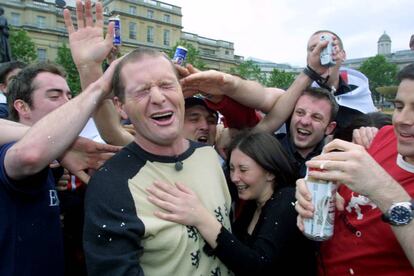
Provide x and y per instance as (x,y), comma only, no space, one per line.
(144,23)
(400,58)
(267,67)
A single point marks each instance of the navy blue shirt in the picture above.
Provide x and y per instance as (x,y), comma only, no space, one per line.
(30,231)
(4,111)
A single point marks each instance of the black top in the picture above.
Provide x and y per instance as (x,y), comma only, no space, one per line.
(295,156)
(276,246)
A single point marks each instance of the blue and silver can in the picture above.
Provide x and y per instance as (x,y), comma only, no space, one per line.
(180,55)
(117,29)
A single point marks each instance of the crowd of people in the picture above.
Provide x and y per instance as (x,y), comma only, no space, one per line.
(160,169)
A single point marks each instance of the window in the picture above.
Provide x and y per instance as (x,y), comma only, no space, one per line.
(132,30)
(150,14)
(227,52)
(167,18)
(41,54)
(150,34)
(15,19)
(132,10)
(41,21)
(167,37)
(208,52)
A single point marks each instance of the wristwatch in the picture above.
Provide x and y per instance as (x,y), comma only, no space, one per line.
(400,213)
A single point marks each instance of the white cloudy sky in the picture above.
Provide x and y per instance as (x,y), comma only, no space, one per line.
(277,30)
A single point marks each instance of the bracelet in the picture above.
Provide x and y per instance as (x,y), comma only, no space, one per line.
(321,81)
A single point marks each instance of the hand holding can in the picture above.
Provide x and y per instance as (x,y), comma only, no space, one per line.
(321,226)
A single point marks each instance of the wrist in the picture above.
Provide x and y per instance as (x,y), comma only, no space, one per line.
(89,67)
(318,78)
(391,193)
(232,83)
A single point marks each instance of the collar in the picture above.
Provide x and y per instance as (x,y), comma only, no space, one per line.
(290,146)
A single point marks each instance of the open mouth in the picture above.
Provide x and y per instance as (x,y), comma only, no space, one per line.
(202,139)
(162,116)
(303,132)
(242,187)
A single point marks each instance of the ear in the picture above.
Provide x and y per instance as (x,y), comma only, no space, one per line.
(22,108)
(330,128)
(270,177)
(120,108)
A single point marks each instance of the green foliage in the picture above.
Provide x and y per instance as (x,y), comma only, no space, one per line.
(380,72)
(280,79)
(64,59)
(22,46)
(248,70)
(193,55)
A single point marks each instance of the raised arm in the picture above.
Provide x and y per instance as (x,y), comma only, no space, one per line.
(274,101)
(53,134)
(89,49)
(11,131)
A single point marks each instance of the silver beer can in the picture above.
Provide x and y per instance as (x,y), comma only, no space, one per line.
(321,226)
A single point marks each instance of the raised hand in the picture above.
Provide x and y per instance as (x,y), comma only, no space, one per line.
(364,135)
(87,44)
(85,154)
(338,56)
(211,82)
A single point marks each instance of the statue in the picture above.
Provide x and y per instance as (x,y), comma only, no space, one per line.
(5,53)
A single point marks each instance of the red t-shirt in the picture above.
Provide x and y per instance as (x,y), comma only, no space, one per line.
(362,243)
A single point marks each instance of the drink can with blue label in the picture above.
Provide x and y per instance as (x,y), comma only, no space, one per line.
(180,55)
(117,29)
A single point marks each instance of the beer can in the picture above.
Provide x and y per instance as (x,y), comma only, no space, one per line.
(321,226)
(117,29)
(180,55)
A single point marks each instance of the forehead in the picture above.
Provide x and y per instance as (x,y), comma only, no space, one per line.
(197,109)
(147,69)
(314,39)
(47,81)
(314,105)
(405,92)
(238,155)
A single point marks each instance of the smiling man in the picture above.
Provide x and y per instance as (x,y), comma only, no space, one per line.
(375,235)
(122,235)
(312,119)
(200,121)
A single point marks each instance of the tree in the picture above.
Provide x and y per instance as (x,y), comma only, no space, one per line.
(64,59)
(22,46)
(388,92)
(280,79)
(248,70)
(380,72)
(193,55)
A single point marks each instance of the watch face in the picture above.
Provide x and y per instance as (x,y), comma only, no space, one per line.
(400,215)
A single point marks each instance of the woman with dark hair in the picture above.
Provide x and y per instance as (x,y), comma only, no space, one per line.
(265,239)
